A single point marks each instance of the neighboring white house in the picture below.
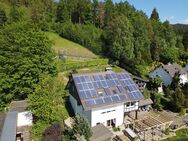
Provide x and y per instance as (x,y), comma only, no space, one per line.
(104,98)
(167,72)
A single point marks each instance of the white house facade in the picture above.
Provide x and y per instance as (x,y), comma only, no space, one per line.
(25,119)
(106,115)
(184,78)
(106,103)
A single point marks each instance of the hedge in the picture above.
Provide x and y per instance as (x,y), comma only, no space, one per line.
(71,65)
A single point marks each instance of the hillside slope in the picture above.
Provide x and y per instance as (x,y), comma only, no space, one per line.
(69,48)
(181,28)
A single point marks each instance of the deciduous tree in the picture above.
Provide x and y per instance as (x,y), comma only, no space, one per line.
(3,17)
(25,55)
(46,101)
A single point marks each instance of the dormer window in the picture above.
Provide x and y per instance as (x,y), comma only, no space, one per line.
(114,91)
(100,92)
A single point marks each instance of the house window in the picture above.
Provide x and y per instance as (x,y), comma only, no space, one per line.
(114,91)
(100,93)
(111,122)
(108,122)
(98,123)
(128,104)
(132,103)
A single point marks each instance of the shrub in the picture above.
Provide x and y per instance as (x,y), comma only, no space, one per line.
(167,131)
(38,129)
(52,133)
(182,111)
(115,129)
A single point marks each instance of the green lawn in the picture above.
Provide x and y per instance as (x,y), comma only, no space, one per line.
(68,47)
(181,135)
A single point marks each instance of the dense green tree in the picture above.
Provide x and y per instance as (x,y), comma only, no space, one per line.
(141,40)
(25,55)
(179,42)
(175,81)
(81,127)
(62,12)
(185,89)
(156,97)
(75,11)
(43,13)
(66,9)
(109,10)
(46,101)
(126,9)
(96,18)
(84,11)
(155,83)
(155,49)
(146,94)
(68,134)
(119,39)
(16,14)
(169,55)
(168,34)
(178,99)
(3,17)
(185,40)
(154,15)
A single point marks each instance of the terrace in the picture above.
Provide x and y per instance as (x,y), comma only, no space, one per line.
(151,125)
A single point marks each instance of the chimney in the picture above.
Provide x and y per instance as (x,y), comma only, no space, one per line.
(108,68)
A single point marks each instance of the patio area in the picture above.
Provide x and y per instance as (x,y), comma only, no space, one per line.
(150,125)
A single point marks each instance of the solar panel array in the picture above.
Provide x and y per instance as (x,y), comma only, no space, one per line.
(129,84)
(106,88)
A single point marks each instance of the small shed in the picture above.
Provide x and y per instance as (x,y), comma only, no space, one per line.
(16,123)
(101,133)
(2,120)
(9,128)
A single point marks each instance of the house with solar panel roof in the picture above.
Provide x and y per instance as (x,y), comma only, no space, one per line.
(105,97)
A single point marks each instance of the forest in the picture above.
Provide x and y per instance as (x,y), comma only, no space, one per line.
(118,31)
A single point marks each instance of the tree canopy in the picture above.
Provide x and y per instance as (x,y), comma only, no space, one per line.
(81,127)
(25,55)
(154,15)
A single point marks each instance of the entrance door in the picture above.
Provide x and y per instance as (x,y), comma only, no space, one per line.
(108,122)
